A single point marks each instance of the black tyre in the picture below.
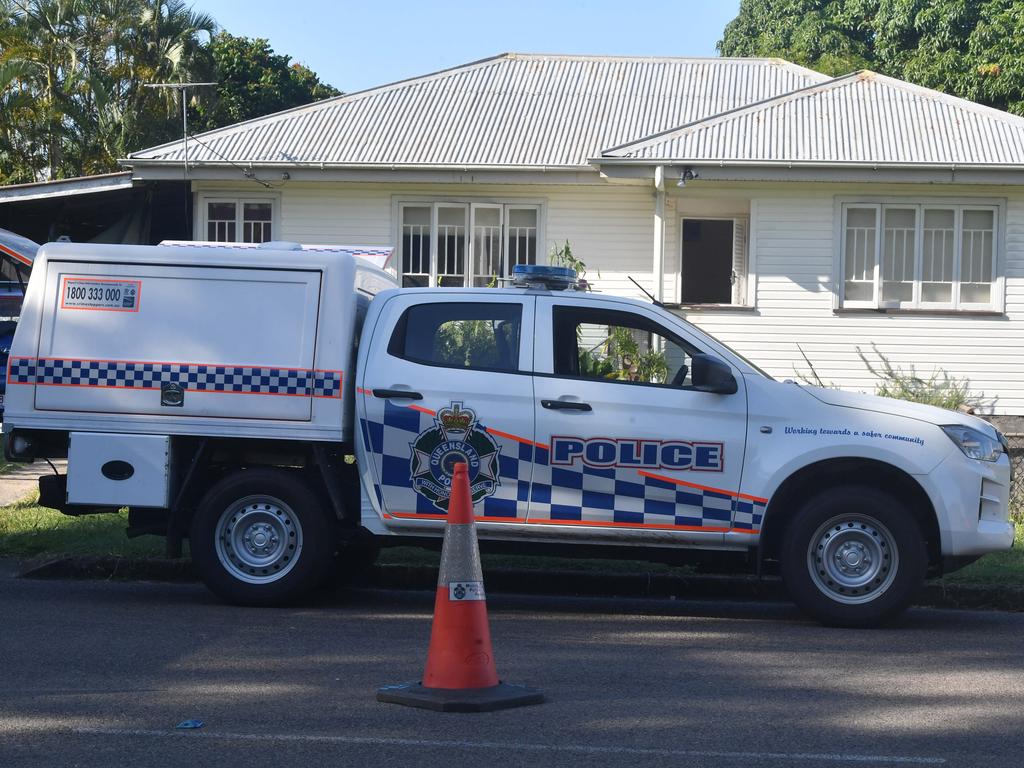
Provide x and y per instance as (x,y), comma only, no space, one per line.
(853,556)
(261,537)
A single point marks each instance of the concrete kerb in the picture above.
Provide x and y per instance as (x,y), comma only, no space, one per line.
(524,581)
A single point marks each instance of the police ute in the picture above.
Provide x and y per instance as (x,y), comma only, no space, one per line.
(288,409)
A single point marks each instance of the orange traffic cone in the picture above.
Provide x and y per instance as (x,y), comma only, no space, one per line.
(460,675)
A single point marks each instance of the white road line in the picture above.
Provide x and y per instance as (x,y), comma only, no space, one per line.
(511,746)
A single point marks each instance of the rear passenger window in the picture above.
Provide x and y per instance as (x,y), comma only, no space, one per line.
(460,335)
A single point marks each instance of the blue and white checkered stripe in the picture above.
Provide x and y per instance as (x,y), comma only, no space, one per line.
(390,440)
(246,380)
(529,483)
(623,495)
(748,514)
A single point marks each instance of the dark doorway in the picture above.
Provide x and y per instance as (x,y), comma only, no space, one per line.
(707,261)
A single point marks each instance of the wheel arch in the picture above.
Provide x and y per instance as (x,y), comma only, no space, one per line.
(261,537)
(818,476)
(204,462)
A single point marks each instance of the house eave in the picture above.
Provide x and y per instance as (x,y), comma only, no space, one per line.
(803,170)
(108,182)
(273,174)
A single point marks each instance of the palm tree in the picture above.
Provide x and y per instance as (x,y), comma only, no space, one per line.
(41,38)
(19,164)
(167,45)
(80,67)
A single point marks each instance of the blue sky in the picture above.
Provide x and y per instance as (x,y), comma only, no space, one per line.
(354,46)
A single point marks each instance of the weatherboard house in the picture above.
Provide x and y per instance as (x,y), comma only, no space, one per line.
(796,216)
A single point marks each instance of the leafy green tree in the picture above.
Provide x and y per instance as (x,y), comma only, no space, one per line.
(254,81)
(130,44)
(826,36)
(969,48)
(39,47)
(75,71)
(74,75)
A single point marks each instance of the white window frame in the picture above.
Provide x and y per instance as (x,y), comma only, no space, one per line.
(742,288)
(199,229)
(958,205)
(472,204)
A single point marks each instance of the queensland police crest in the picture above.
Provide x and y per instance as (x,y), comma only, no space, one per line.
(455,437)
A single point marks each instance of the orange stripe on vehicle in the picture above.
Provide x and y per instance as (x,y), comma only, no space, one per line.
(665,479)
(425,516)
(362,391)
(499,433)
(26,261)
(496,432)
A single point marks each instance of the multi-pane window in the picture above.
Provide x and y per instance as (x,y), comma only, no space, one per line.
(460,244)
(239,221)
(451,245)
(926,256)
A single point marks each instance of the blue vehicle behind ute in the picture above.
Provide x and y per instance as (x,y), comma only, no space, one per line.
(16,256)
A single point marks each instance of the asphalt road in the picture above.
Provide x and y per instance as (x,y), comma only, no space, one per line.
(98,674)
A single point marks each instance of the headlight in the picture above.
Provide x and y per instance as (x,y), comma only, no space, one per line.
(974,444)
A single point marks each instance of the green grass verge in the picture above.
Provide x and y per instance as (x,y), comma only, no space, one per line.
(998,569)
(29,530)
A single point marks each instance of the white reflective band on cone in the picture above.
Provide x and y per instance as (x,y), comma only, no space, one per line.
(460,558)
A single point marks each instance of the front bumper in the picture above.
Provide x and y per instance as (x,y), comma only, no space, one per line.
(971,500)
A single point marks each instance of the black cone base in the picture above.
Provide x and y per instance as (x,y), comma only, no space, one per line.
(500,696)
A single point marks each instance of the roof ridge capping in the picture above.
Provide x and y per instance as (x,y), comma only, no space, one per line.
(949,98)
(624,151)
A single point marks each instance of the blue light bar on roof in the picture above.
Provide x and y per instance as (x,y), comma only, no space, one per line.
(541,276)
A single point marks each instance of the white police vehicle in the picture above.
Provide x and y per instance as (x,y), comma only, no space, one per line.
(217,391)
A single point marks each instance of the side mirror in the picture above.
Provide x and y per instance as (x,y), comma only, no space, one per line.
(710,374)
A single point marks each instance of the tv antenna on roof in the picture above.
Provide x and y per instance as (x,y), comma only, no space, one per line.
(181,88)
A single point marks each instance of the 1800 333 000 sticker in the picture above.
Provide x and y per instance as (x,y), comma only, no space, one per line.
(100,293)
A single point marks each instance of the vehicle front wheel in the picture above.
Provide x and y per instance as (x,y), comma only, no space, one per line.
(261,537)
(853,556)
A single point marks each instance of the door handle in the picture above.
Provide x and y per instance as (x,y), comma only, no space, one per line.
(565,405)
(406,394)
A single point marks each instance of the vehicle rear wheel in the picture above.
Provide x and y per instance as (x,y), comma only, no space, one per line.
(853,557)
(261,537)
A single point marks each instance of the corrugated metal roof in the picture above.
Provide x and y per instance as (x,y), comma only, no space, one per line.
(510,110)
(104,182)
(863,117)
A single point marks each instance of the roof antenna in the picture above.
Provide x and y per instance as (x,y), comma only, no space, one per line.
(182,90)
(647,293)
